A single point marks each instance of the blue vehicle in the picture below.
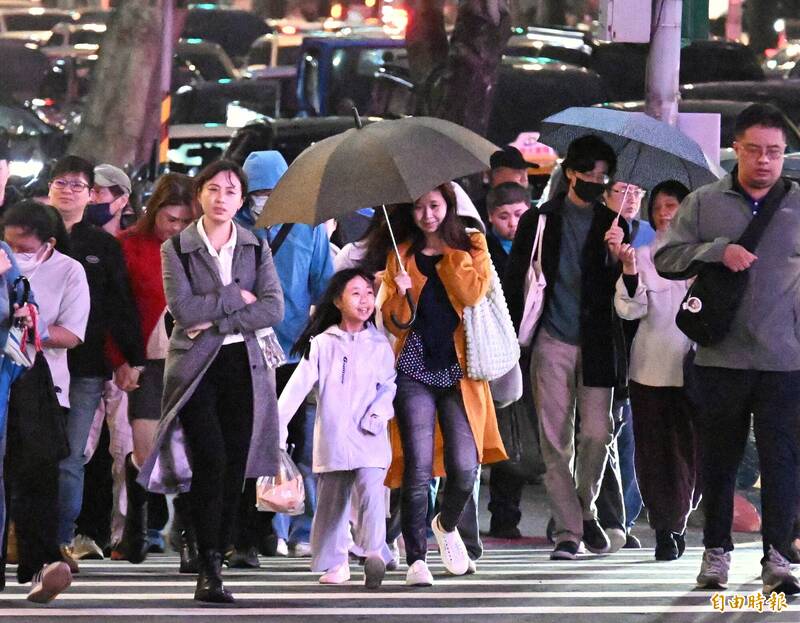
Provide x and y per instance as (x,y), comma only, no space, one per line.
(338,72)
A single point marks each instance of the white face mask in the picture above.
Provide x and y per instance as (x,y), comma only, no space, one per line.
(29,262)
(257,204)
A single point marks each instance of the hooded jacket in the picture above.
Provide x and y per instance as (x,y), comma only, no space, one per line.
(353,377)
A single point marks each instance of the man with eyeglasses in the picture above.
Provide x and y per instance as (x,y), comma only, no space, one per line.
(112,313)
(573,357)
(754,371)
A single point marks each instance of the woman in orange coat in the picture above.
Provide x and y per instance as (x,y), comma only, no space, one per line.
(446,269)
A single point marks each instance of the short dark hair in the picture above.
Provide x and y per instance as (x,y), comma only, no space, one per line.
(218,167)
(765,115)
(584,152)
(672,188)
(73,164)
(41,220)
(506,193)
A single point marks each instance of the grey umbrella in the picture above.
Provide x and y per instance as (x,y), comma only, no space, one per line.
(648,151)
(386,162)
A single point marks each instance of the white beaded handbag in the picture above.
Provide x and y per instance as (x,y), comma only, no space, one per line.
(492,347)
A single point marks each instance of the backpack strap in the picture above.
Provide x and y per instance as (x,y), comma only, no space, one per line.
(276,244)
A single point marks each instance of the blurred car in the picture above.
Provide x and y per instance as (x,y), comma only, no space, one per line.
(32,142)
(623,65)
(95,16)
(71,39)
(233,29)
(23,69)
(209,59)
(784,94)
(568,45)
(783,62)
(275,49)
(728,111)
(528,90)
(32,24)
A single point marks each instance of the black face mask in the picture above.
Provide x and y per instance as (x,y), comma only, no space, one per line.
(98,214)
(588,191)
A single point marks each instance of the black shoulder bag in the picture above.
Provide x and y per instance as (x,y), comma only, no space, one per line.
(708,309)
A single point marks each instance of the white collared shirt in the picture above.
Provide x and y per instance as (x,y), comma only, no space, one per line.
(224,262)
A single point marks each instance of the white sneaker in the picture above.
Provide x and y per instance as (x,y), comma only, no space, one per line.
(282,549)
(451,548)
(419,575)
(338,575)
(472,569)
(53,579)
(300,550)
(84,547)
(394,563)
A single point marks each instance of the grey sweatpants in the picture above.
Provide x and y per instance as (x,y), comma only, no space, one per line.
(330,531)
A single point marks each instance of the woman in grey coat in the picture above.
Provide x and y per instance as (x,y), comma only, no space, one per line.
(219,420)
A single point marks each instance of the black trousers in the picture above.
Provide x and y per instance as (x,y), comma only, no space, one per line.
(217,423)
(32,494)
(730,397)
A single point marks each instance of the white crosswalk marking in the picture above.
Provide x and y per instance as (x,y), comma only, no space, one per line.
(511,585)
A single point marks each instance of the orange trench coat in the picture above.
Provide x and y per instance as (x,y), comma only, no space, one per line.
(465,275)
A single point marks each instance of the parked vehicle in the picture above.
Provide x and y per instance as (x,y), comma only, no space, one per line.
(74,39)
(784,94)
(32,142)
(783,62)
(233,29)
(23,69)
(568,45)
(32,24)
(623,65)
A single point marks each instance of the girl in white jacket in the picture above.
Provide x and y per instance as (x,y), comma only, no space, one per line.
(350,365)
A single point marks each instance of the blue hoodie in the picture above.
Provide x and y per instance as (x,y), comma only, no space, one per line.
(303,262)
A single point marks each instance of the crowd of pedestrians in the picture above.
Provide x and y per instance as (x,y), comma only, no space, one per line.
(160,361)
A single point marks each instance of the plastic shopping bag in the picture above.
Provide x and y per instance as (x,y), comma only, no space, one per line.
(283,493)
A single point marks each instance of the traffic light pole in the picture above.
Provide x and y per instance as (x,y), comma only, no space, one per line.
(664,62)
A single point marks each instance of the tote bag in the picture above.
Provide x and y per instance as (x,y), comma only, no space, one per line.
(534,288)
(492,348)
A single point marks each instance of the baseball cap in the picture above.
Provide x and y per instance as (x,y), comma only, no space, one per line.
(106,175)
(511,158)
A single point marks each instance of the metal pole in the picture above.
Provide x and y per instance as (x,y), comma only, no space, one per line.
(664,61)
(166,81)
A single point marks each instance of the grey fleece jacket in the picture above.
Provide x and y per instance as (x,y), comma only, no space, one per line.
(765,334)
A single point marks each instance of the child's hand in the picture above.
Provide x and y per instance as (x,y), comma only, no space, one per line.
(371,424)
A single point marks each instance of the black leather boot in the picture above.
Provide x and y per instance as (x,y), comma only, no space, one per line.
(190,559)
(209,580)
(134,544)
(187,540)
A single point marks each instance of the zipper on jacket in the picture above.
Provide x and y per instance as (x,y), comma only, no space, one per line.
(344,366)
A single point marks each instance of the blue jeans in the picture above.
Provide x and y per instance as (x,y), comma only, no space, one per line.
(297,529)
(416,410)
(84,398)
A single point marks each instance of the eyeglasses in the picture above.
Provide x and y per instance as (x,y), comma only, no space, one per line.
(637,193)
(757,151)
(75,185)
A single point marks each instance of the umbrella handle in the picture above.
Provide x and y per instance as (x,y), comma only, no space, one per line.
(413,308)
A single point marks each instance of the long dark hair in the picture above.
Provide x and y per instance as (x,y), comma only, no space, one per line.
(451,230)
(171,189)
(326,313)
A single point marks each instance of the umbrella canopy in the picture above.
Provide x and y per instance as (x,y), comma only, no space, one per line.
(648,151)
(386,162)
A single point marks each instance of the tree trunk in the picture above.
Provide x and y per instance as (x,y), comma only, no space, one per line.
(119,122)
(426,38)
(476,47)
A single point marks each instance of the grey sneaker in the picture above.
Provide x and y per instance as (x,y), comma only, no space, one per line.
(714,569)
(776,574)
